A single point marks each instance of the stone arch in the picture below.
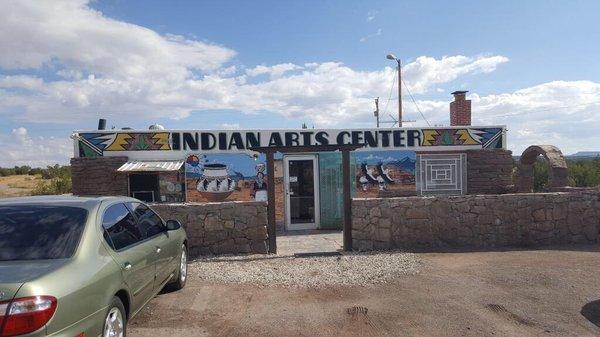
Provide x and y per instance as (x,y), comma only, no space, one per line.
(557,175)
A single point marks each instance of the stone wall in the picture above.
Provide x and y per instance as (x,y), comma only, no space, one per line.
(221,228)
(476,221)
(489,171)
(98,176)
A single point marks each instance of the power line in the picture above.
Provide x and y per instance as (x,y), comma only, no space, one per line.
(390,95)
(414,101)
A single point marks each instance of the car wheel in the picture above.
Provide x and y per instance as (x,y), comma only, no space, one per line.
(115,322)
(181,276)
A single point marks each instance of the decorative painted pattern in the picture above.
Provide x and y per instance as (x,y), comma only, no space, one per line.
(95,144)
(486,137)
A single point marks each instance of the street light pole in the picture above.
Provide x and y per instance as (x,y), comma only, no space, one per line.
(394,58)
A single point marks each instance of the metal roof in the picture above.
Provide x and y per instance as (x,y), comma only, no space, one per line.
(150,166)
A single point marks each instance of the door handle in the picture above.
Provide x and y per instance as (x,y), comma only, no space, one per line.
(126,265)
(158,250)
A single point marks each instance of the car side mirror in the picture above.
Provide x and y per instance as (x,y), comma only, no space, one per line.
(173,225)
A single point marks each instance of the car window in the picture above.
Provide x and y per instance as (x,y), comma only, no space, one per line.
(35,232)
(150,224)
(120,228)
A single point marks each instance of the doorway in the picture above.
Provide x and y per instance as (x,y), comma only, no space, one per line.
(144,186)
(301,189)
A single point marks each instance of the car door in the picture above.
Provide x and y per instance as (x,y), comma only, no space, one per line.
(132,253)
(165,248)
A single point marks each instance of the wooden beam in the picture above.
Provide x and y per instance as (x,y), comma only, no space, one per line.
(271,225)
(347,200)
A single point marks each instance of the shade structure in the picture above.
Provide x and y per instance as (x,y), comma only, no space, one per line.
(151,166)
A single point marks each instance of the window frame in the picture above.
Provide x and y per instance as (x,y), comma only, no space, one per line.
(77,246)
(162,221)
(103,230)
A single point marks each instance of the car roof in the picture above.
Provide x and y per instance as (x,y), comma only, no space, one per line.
(63,200)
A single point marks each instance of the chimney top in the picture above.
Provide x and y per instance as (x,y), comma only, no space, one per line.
(460,92)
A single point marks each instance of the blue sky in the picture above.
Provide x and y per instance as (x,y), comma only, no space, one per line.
(531,65)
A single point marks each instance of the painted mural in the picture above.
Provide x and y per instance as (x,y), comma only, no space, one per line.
(385,173)
(488,138)
(165,143)
(225,177)
(95,144)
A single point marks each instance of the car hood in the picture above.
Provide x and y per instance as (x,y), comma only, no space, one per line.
(14,273)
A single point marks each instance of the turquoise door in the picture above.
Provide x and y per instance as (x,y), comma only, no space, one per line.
(331,189)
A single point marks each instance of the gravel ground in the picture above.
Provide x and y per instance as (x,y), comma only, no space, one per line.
(348,269)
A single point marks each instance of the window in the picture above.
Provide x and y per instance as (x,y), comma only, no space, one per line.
(149,223)
(441,173)
(36,232)
(120,228)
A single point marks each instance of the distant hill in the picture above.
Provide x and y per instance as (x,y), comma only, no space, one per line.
(585,154)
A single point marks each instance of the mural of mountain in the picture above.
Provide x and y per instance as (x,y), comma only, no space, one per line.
(406,164)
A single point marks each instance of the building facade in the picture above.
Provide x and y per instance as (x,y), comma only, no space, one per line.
(172,166)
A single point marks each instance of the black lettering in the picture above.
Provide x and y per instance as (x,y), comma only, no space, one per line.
(175,141)
(190,142)
(222,141)
(357,138)
(236,140)
(399,138)
(208,141)
(370,139)
(385,138)
(412,136)
(275,139)
(252,139)
(340,137)
(322,138)
(306,138)
(291,139)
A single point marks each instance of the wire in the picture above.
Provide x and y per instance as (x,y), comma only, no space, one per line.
(414,101)
(390,95)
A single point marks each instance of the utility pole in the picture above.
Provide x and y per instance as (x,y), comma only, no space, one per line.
(376,112)
(399,93)
(394,58)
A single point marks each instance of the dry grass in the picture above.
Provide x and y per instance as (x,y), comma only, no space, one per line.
(18,185)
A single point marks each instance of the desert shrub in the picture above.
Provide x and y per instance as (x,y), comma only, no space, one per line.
(56,180)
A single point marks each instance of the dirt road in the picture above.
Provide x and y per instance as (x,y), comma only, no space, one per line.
(513,293)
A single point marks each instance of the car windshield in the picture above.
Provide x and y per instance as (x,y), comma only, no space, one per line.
(36,232)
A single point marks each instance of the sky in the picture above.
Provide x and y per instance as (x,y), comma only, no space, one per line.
(530,65)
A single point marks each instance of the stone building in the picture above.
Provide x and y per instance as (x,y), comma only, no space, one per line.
(178,166)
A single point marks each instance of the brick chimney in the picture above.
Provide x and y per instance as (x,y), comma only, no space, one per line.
(460,109)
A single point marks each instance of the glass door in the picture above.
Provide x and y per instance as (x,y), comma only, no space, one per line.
(301,192)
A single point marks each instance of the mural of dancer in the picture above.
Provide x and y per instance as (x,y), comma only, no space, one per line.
(390,172)
(259,188)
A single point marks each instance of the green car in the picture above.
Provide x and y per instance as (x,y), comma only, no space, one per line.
(75,266)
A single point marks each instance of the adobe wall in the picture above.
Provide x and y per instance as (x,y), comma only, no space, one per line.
(98,176)
(476,221)
(221,227)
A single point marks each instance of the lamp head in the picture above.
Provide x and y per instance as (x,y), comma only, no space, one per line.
(391,57)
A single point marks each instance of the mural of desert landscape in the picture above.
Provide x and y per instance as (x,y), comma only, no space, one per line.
(385,173)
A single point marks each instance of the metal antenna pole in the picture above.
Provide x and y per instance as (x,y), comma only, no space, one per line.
(376,112)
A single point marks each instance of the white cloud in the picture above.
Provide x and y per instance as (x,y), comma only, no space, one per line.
(68,33)
(274,71)
(19,148)
(426,71)
(230,126)
(365,38)
(126,72)
(371,15)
